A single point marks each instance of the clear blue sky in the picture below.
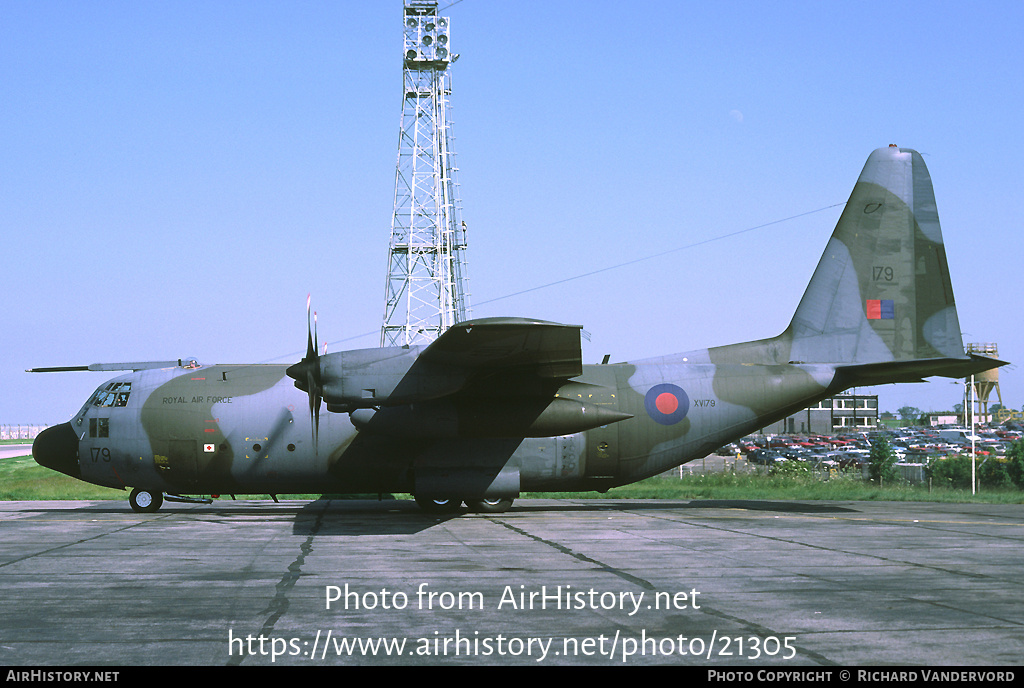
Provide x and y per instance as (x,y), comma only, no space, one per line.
(175,177)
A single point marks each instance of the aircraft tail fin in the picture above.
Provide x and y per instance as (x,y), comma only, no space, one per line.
(881,297)
(879,306)
(881,291)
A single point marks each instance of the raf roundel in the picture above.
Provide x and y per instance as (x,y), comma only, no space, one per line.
(666,404)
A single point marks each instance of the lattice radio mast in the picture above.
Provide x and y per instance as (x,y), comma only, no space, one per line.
(425,293)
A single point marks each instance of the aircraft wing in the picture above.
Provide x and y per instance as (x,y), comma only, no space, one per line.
(496,377)
(523,346)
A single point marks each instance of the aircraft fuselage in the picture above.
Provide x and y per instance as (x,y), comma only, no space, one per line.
(245,429)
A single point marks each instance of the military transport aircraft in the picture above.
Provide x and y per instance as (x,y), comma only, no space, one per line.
(499,405)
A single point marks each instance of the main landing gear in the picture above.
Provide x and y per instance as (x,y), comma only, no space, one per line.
(438,505)
(490,506)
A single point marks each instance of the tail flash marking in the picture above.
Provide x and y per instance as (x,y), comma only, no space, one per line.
(881,309)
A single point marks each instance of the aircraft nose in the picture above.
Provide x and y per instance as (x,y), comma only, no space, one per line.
(57,448)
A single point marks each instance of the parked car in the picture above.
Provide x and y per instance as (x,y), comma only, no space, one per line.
(797,454)
(765,457)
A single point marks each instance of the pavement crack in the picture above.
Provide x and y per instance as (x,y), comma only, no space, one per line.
(75,543)
(279,605)
(636,580)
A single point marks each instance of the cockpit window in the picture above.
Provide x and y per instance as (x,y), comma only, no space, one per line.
(99,427)
(112,394)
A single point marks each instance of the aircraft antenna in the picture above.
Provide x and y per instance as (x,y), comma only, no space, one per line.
(425,294)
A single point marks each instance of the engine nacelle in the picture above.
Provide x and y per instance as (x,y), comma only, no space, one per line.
(383,377)
(483,417)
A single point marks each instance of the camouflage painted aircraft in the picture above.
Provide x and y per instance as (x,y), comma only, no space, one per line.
(501,405)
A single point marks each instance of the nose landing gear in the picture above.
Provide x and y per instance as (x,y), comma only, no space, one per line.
(145,501)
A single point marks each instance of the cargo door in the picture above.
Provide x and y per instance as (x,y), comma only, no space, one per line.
(182,463)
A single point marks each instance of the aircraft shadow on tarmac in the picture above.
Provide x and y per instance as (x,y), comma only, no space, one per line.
(348,517)
(366,517)
(336,517)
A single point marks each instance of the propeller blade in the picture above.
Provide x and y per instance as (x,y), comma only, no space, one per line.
(310,348)
(314,405)
(306,373)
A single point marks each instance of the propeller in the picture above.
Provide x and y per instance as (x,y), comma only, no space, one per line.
(306,374)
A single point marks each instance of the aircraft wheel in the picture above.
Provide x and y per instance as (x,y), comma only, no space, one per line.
(439,505)
(145,501)
(490,506)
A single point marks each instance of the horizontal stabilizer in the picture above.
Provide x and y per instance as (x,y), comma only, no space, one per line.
(916,371)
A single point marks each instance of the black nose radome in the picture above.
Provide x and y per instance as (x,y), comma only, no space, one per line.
(57,448)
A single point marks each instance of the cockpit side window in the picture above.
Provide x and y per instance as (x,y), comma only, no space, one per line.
(110,395)
(99,427)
